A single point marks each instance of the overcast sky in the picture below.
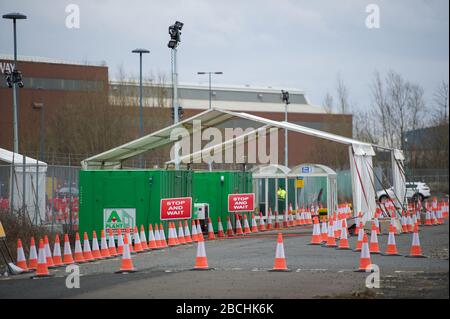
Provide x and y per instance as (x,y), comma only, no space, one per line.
(279,43)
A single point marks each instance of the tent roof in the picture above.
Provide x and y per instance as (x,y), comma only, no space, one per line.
(209,118)
(270,171)
(317,169)
(11,157)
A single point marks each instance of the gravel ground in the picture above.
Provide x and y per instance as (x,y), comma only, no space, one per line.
(240,271)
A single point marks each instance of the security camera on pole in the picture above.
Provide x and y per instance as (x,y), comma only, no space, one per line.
(175,33)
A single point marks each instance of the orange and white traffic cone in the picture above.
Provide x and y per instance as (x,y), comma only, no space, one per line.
(87,253)
(130,240)
(343,241)
(143,238)
(316,238)
(331,240)
(158,241)
(230,232)
(181,237)
(324,230)
(127,263)
(201,262)
(137,241)
(391,249)
(48,253)
(364,260)
(404,223)
(194,231)
(42,268)
(246,225)
(175,233)
(171,239)
(269,221)
(254,225)
(211,235)
(95,249)
(152,243)
(78,254)
(220,233)
(199,230)
(409,223)
(428,221)
(416,250)
(285,220)
(280,258)
(373,247)
(67,257)
(119,242)
(21,260)
(238,226)
(33,258)
(187,234)
(57,259)
(276,222)
(262,225)
(111,244)
(162,236)
(104,249)
(361,233)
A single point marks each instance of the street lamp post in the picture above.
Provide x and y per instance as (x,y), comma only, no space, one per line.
(209,75)
(285,98)
(41,107)
(141,124)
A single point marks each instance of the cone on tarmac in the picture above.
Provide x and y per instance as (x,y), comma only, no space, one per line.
(280,258)
(194,231)
(230,232)
(137,241)
(343,241)
(324,230)
(246,225)
(158,237)
(373,246)
(364,260)
(78,255)
(238,226)
(111,244)
(162,236)
(391,248)
(95,249)
(211,235)
(187,234)
(269,221)
(316,238)
(119,242)
(254,225)
(201,262)
(152,244)
(48,253)
(87,253)
(181,237)
(42,268)
(171,240)
(361,233)
(428,221)
(104,249)
(57,259)
(262,225)
(331,240)
(127,263)
(67,257)
(277,222)
(143,238)
(21,260)
(220,233)
(416,250)
(33,258)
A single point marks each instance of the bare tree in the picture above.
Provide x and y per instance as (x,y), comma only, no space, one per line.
(342,93)
(440,99)
(328,103)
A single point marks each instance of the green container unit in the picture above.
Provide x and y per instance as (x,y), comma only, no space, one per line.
(130,190)
(213,188)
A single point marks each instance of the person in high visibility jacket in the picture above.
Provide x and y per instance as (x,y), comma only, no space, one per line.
(281,194)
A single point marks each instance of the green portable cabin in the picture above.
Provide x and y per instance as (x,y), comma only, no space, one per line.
(132,196)
(214,187)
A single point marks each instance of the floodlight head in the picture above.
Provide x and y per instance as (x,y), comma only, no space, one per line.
(172,44)
(14,16)
(285,96)
(179,25)
(140,51)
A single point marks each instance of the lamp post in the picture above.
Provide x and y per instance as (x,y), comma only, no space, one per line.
(141,124)
(209,75)
(285,98)
(41,107)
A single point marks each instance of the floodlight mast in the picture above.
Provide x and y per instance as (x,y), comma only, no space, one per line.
(285,98)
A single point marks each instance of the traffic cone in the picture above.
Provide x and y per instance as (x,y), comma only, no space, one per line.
(316,238)
(111,244)
(87,253)
(57,259)
(199,230)
(269,221)
(230,232)
(162,236)
(67,257)
(428,221)
(194,231)
(308,218)
(409,223)
(104,249)
(434,220)
(262,225)
(246,225)
(152,244)
(277,222)
(377,224)
(343,242)
(95,249)
(404,223)
(21,260)
(201,262)
(416,250)
(158,241)
(220,233)
(254,225)
(137,241)
(280,259)
(337,228)
(331,240)
(48,253)
(391,249)
(211,235)
(238,226)
(361,233)
(175,235)
(373,247)
(130,240)
(285,220)
(181,238)
(364,260)
(119,242)
(127,262)
(187,234)
(42,268)
(33,258)
(143,238)
(78,255)
(324,230)
(171,240)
